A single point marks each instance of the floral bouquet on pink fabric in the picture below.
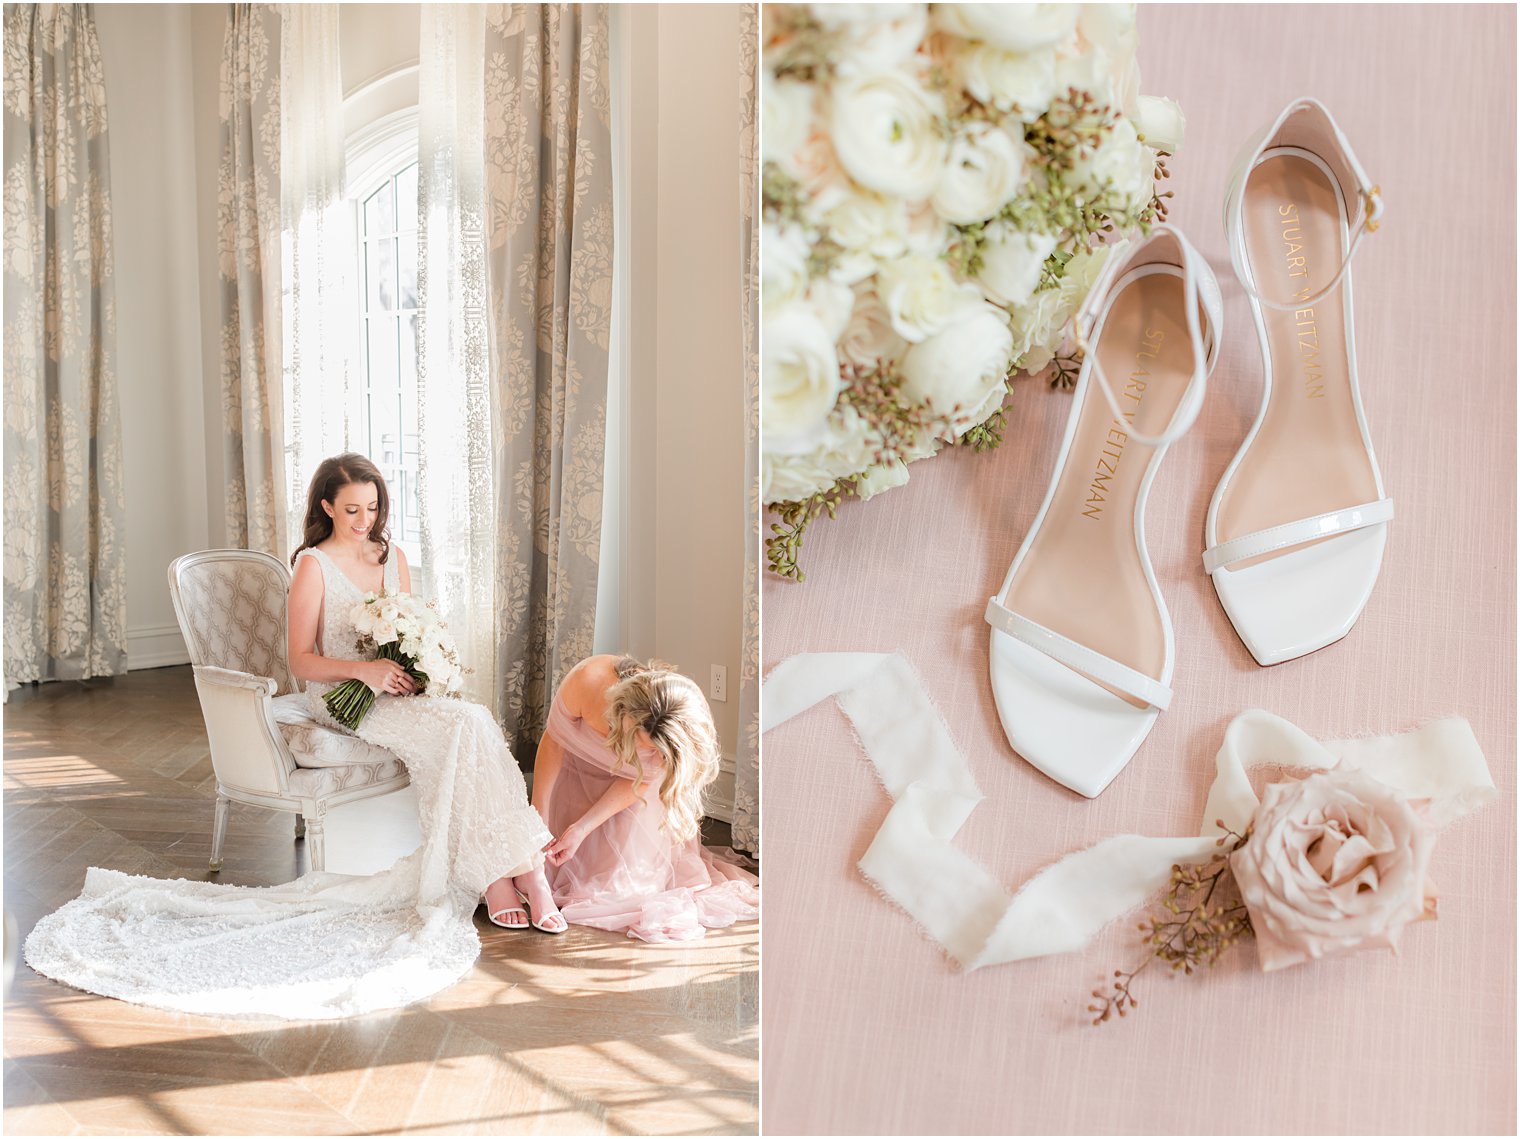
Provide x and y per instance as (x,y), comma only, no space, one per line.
(939,184)
(1332,863)
(399,627)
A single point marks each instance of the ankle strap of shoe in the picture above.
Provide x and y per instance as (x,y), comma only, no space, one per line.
(1204,313)
(1369,196)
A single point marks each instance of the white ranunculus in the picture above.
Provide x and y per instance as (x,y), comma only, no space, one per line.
(982,173)
(869,228)
(1122,164)
(816,169)
(788,107)
(1008,80)
(1161,122)
(783,264)
(886,131)
(1011,263)
(799,371)
(923,296)
(1015,27)
(960,371)
(869,336)
(882,45)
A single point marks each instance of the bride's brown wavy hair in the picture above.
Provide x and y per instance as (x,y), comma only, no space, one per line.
(672,711)
(331,476)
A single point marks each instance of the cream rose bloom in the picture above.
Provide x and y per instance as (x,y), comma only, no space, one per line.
(783,265)
(983,172)
(870,228)
(869,336)
(923,297)
(1011,263)
(846,447)
(1014,27)
(1009,79)
(1162,123)
(788,107)
(799,379)
(886,131)
(960,371)
(1336,862)
(883,43)
(1039,326)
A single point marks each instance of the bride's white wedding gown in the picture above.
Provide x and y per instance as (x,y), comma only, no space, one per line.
(325,945)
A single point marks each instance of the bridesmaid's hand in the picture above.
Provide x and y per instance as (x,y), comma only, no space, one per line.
(563,849)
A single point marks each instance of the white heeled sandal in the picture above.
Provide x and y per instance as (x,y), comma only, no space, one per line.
(1081,651)
(1295,531)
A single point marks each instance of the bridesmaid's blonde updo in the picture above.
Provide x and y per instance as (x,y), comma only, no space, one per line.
(672,711)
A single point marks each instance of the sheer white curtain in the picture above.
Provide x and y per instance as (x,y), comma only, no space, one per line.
(323,414)
(454,475)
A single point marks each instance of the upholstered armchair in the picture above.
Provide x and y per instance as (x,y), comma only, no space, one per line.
(231,609)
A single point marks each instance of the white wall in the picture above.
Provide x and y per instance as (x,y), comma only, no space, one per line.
(146,52)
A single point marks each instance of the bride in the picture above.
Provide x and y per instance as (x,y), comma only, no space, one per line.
(331,945)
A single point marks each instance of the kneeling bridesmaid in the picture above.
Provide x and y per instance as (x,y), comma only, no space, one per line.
(619,775)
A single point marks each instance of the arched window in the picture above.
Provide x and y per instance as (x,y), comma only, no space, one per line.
(382,186)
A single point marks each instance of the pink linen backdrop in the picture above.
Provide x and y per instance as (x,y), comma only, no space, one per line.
(866,1027)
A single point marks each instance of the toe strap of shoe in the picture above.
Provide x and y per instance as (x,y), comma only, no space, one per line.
(1080,658)
(1292,533)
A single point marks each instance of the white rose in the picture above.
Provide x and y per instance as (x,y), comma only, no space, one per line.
(883,43)
(923,297)
(886,130)
(1008,80)
(960,371)
(787,106)
(928,234)
(869,228)
(1106,66)
(1011,263)
(832,304)
(869,335)
(1016,27)
(983,172)
(1122,164)
(856,18)
(384,632)
(783,264)
(816,169)
(1160,120)
(847,447)
(799,379)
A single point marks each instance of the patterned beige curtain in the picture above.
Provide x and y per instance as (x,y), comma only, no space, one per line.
(549,264)
(65,571)
(747,764)
(248,247)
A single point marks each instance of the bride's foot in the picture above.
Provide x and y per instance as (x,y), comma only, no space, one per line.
(504,905)
(533,888)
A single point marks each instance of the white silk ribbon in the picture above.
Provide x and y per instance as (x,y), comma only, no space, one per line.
(914,861)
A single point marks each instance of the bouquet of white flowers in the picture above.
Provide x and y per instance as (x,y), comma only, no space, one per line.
(398,627)
(939,184)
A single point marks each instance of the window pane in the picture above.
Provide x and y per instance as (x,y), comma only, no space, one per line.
(406,198)
(380,273)
(384,407)
(408,248)
(380,211)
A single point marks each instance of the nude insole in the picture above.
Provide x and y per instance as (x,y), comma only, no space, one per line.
(1307,457)
(1082,575)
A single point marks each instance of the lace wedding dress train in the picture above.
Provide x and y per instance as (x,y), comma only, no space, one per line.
(326,945)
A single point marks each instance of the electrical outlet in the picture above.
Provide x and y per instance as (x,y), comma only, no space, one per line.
(719,686)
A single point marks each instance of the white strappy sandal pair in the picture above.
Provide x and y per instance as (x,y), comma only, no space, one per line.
(1082,652)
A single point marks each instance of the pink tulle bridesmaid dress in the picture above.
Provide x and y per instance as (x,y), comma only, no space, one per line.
(630,873)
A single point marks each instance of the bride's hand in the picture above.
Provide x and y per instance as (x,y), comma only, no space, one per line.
(385,676)
(563,849)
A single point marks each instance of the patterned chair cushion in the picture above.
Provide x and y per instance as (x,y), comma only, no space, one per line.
(315,745)
(319,782)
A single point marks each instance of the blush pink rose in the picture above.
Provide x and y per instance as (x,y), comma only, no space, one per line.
(1335,863)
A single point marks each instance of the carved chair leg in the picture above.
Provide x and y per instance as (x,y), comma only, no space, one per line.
(300,824)
(316,843)
(219,830)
